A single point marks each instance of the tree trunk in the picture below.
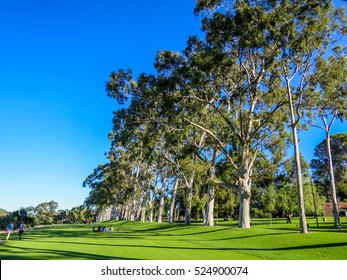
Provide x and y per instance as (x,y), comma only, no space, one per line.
(115,213)
(211,193)
(245,200)
(189,199)
(337,222)
(289,216)
(173,201)
(140,204)
(210,206)
(127,212)
(301,204)
(143,214)
(245,188)
(294,123)
(152,200)
(162,198)
(133,207)
(105,214)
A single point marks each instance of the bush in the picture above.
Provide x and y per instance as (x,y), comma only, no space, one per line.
(257,213)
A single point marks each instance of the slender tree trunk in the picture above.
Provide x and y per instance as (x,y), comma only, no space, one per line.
(162,198)
(203,213)
(114,213)
(189,199)
(143,214)
(337,222)
(127,212)
(133,208)
(105,214)
(173,201)
(124,212)
(147,201)
(140,204)
(151,204)
(301,203)
(179,211)
(294,123)
(211,193)
(119,212)
(152,200)
(209,216)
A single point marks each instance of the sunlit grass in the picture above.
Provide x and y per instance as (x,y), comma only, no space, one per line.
(152,241)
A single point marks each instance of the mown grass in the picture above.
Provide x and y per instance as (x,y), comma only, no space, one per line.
(152,241)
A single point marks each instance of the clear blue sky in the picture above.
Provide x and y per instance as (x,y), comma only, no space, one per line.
(55,57)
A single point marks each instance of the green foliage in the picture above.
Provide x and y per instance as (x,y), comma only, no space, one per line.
(320,165)
(313,199)
(3,213)
(226,204)
(45,212)
(270,198)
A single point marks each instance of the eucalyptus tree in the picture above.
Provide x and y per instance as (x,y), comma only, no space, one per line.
(77,214)
(102,192)
(132,131)
(188,166)
(320,165)
(62,215)
(305,29)
(209,215)
(110,184)
(126,138)
(173,200)
(165,133)
(45,212)
(294,32)
(328,103)
(230,84)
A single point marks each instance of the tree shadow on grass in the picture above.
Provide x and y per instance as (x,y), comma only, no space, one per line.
(62,254)
(149,236)
(134,233)
(133,237)
(54,254)
(313,246)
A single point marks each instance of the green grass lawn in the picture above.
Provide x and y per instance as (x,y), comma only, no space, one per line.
(152,241)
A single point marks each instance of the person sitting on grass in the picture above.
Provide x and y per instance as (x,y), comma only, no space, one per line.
(99,229)
(110,228)
(103,229)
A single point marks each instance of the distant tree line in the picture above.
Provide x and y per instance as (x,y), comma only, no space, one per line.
(46,213)
(207,135)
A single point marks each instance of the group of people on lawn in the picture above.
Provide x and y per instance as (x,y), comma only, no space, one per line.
(21,229)
(102,229)
(10,229)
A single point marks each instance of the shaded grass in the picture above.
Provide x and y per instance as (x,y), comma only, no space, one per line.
(152,241)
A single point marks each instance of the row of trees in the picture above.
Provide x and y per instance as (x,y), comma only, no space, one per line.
(221,113)
(46,213)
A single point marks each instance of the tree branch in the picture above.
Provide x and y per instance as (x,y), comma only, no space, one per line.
(216,139)
(228,185)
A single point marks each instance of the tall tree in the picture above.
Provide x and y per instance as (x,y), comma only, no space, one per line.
(308,29)
(320,165)
(227,79)
(328,103)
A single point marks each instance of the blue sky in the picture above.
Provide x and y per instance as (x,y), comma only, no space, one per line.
(55,57)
